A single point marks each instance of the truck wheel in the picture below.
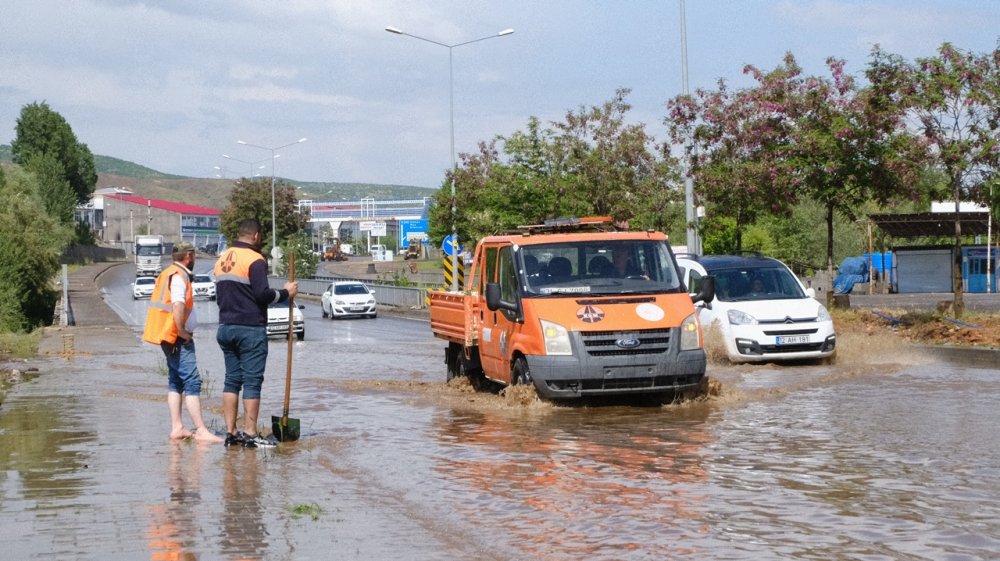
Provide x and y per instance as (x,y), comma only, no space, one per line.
(455,361)
(520,375)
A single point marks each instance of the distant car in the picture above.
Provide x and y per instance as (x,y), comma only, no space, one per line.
(761,308)
(143,287)
(203,287)
(349,299)
(277,320)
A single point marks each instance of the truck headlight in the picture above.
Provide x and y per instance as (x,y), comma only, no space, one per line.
(736,317)
(556,339)
(690,333)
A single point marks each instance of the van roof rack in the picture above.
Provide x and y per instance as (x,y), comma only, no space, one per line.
(567,224)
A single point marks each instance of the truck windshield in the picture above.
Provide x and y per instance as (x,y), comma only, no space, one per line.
(148,250)
(598,267)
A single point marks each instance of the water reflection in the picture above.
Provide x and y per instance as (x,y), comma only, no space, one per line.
(243,530)
(173,525)
(45,448)
(574,484)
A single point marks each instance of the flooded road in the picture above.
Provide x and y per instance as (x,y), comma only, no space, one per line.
(884,455)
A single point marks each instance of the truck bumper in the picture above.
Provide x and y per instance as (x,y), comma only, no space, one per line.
(571,377)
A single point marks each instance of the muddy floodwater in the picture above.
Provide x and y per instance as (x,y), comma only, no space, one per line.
(886,454)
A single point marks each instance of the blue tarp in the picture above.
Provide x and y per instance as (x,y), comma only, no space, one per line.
(852,270)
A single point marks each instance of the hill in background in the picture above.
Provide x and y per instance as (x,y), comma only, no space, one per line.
(213,192)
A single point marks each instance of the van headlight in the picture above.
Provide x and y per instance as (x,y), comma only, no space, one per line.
(822,314)
(690,333)
(736,317)
(556,339)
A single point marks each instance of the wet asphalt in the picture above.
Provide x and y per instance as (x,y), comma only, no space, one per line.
(86,470)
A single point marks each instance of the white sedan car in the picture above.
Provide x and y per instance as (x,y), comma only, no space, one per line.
(347,299)
(143,287)
(203,287)
(762,310)
(277,320)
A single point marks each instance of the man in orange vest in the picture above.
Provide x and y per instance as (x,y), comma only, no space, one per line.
(170,323)
(243,293)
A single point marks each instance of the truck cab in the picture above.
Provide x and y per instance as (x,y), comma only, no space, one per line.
(578,312)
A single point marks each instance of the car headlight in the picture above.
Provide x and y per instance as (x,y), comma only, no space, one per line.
(737,317)
(822,314)
(690,333)
(338,302)
(371,302)
(556,339)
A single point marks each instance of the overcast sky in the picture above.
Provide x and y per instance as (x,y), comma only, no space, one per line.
(173,85)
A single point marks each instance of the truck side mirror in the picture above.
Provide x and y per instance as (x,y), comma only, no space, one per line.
(492,296)
(494,302)
(707,292)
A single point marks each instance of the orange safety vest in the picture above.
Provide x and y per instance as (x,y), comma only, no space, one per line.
(234,265)
(160,326)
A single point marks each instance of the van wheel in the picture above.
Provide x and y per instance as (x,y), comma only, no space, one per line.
(301,335)
(520,375)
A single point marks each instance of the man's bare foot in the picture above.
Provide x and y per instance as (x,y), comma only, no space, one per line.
(205,435)
(180,434)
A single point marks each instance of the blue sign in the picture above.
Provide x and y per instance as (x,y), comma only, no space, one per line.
(412,230)
(448,246)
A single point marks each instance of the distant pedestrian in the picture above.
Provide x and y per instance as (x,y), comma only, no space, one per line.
(170,323)
(243,294)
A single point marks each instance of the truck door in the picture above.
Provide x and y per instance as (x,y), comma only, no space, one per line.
(498,326)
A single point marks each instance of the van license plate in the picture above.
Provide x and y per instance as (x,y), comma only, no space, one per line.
(792,339)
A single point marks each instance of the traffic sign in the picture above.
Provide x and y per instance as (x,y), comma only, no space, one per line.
(448,246)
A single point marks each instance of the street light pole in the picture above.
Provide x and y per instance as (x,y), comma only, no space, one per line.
(274,231)
(451,111)
(693,242)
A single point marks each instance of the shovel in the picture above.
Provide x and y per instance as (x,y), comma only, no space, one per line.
(285,428)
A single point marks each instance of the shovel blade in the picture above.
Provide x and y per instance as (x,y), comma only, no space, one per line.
(285,429)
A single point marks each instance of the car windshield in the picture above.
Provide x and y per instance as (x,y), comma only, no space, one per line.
(145,280)
(598,267)
(202,278)
(756,283)
(342,289)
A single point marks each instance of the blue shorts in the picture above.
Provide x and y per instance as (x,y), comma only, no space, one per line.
(244,349)
(182,370)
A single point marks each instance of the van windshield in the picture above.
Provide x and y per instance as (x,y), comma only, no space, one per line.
(756,283)
(600,267)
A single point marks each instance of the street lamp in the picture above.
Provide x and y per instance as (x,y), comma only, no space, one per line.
(451,108)
(251,164)
(274,231)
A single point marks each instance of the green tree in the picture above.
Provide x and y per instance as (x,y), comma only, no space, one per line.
(591,163)
(305,260)
(31,242)
(251,198)
(42,131)
(953,101)
(55,190)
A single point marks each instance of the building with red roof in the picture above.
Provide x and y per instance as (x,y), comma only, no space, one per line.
(116,216)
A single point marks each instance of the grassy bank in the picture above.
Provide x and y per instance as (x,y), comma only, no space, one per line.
(19,345)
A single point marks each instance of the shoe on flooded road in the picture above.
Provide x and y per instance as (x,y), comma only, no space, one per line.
(235,439)
(258,441)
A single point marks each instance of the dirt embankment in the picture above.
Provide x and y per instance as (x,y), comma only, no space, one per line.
(927,328)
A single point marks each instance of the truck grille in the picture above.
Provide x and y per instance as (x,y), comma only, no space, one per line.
(607,343)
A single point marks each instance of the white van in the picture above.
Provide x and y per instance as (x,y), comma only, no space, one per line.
(761,309)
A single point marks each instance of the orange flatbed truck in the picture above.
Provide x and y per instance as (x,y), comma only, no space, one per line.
(577,308)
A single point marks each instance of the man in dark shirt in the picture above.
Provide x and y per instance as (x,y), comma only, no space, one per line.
(243,294)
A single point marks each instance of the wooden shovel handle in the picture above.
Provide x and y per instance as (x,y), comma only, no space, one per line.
(291,326)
